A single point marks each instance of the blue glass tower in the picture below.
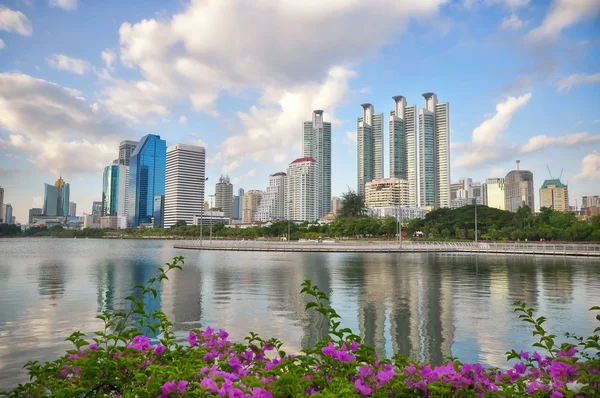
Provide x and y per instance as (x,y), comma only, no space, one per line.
(146,178)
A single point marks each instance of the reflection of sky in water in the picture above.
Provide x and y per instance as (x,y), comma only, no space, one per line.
(425,306)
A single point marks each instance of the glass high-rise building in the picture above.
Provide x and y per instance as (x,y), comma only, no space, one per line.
(403,146)
(369,137)
(147,169)
(316,144)
(237,205)
(56,198)
(115,192)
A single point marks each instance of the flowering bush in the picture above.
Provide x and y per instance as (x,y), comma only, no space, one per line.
(121,362)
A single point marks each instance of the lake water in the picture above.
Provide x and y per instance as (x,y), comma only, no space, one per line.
(425,305)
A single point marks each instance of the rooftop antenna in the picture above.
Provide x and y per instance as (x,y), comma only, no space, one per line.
(518,161)
(549,171)
(560,176)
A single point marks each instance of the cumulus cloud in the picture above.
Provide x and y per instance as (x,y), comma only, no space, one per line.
(182,119)
(14,21)
(484,147)
(68,5)
(567,83)
(58,131)
(590,167)
(540,142)
(561,15)
(511,4)
(513,22)
(73,65)
(228,168)
(351,135)
(109,57)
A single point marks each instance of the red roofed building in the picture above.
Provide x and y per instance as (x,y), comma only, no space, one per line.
(302,199)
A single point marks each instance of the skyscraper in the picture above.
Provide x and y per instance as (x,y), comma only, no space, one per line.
(302,190)
(34,212)
(336,203)
(316,144)
(96,212)
(1,205)
(147,169)
(250,203)
(126,148)
(403,146)
(434,153)
(72,209)
(518,190)
(8,210)
(272,205)
(224,196)
(115,193)
(56,198)
(369,141)
(495,193)
(237,204)
(184,197)
(554,195)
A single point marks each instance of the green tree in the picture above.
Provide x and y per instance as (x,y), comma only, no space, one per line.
(352,205)
(180,223)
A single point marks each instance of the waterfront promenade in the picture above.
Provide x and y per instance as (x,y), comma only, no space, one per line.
(587,250)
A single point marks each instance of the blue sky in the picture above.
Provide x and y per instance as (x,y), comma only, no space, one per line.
(522,78)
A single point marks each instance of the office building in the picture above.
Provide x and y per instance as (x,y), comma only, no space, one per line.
(56,198)
(554,195)
(386,192)
(237,205)
(13,220)
(518,190)
(316,144)
(126,148)
(272,205)
(72,209)
(147,168)
(401,214)
(96,212)
(250,203)
(434,153)
(7,214)
(465,191)
(336,204)
(115,193)
(369,141)
(34,212)
(1,205)
(586,201)
(224,196)
(495,193)
(403,146)
(185,176)
(158,217)
(302,190)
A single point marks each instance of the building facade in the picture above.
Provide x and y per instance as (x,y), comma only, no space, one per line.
(386,192)
(554,195)
(405,213)
(126,148)
(250,203)
(495,193)
(586,201)
(2,206)
(237,205)
(158,217)
(518,190)
(72,209)
(463,192)
(224,196)
(434,153)
(147,168)
(403,145)
(316,144)
(184,186)
(115,193)
(272,205)
(7,214)
(369,141)
(96,212)
(302,190)
(34,212)
(56,198)
(336,204)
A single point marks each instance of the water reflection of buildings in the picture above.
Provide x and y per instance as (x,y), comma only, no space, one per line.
(182,298)
(106,286)
(51,279)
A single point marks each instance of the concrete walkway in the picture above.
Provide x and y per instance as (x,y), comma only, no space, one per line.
(588,250)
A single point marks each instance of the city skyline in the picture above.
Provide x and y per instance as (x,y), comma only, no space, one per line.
(66,106)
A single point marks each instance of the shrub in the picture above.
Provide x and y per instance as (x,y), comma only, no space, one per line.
(121,362)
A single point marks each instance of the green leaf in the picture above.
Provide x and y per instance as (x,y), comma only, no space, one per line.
(311,305)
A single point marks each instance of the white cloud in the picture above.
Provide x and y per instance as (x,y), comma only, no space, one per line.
(511,4)
(488,131)
(566,83)
(497,172)
(228,168)
(250,173)
(512,23)
(540,142)
(590,167)
(108,56)
(73,65)
(38,201)
(196,54)
(14,21)
(484,149)
(596,121)
(351,135)
(68,5)
(58,131)
(182,119)
(2,44)
(561,15)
